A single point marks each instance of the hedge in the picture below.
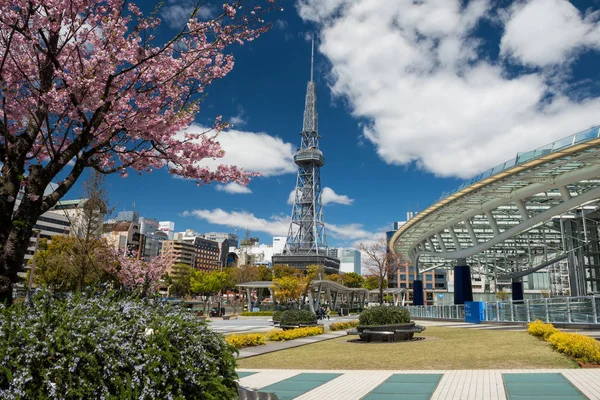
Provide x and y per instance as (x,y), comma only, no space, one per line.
(290,334)
(296,317)
(246,340)
(384,315)
(257,314)
(340,326)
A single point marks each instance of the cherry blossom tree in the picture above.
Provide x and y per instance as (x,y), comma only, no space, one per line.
(137,274)
(84,85)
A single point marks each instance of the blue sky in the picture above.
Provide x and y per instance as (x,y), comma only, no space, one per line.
(413,98)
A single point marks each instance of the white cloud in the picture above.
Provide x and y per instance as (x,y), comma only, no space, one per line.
(328,196)
(413,71)
(237,120)
(234,188)
(252,151)
(178,12)
(281,24)
(546,32)
(276,225)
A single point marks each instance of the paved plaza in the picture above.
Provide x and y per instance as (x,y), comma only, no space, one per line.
(551,384)
(509,384)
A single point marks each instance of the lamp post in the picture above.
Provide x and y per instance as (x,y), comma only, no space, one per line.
(32,271)
(221,292)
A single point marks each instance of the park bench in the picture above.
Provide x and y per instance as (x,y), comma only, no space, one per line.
(387,335)
(247,394)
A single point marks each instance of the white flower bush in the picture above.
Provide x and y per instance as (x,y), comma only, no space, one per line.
(110,346)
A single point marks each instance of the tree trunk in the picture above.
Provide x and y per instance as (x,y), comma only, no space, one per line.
(14,248)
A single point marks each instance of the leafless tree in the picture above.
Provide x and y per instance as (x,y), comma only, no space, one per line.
(380,262)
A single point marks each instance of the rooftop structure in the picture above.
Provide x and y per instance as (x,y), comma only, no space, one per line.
(521,216)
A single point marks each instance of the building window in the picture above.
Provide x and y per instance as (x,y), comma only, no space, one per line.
(403,285)
(428,286)
(403,277)
(428,277)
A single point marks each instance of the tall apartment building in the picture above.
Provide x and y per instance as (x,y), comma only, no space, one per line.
(198,253)
(84,220)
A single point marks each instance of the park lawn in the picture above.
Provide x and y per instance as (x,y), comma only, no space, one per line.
(443,348)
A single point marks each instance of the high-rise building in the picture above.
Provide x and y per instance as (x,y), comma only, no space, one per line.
(219,237)
(278,244)
(168,227)
(306,242)
(131,216)
(148,226)
(349,260)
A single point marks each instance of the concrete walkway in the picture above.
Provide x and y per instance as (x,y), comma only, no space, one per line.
(288,344)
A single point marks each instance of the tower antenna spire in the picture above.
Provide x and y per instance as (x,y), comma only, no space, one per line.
(312,58)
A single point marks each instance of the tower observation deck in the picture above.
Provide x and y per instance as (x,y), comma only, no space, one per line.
(306,241)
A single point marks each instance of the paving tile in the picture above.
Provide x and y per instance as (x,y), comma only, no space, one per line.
(299,384)
(540,385)
(243,374)
(405,387)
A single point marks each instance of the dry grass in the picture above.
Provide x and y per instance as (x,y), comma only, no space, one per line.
(443,348)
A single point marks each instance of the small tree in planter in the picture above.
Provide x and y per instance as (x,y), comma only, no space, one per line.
(385,318)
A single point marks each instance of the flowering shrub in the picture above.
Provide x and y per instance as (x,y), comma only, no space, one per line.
(257,313)
(339,326)
(540,329)
(110,346)
(246,340)
(290,334)
(582,348)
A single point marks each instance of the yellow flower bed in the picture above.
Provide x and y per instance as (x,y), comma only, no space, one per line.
(246,340)
(280,335)
(339,326)
(540,329)
(582,348)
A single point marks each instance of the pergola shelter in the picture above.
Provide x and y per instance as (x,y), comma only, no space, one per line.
(399,295)
(531,212)
(334,294)
(260,287)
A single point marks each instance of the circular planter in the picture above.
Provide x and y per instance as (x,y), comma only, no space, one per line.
(388,328)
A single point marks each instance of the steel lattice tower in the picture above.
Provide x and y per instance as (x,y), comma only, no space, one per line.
(306,241)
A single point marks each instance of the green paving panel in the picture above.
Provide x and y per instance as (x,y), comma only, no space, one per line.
(406,387)
(243,374)
(540,386)
(295,386)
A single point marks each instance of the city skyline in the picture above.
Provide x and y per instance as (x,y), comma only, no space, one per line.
(403,118)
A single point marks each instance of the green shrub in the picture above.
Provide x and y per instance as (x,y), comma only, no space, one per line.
(296,317)
(110,346)
(290,334)
(384,315)
(246,340)
(277,315)
(340,326)
(257,314)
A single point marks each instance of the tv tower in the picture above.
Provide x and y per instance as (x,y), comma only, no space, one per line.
(306,241)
